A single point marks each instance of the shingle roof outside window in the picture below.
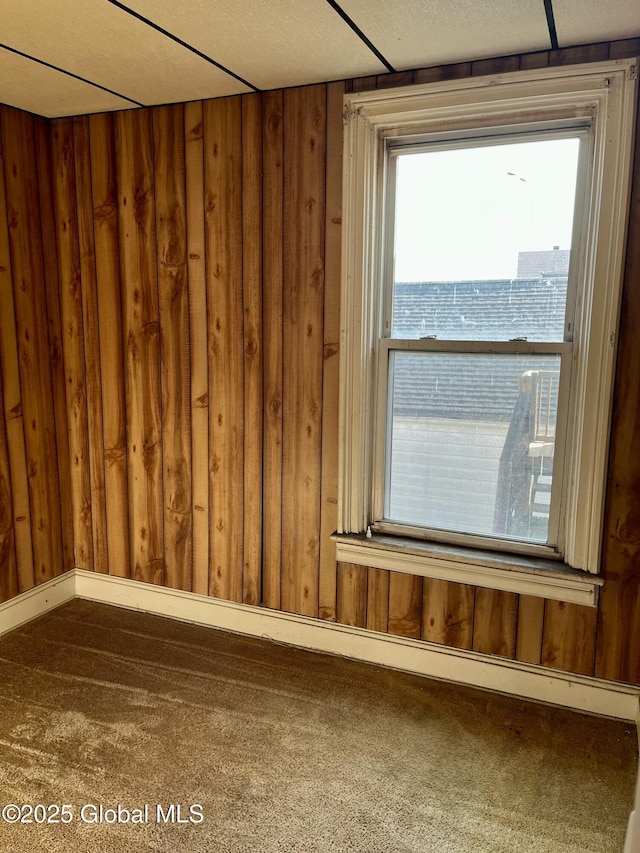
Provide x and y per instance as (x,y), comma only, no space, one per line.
(471,386)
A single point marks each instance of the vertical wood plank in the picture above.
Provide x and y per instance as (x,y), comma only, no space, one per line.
(363,84)
(540,59)
(223,219)
(624,48)
(395,80)
(252,300)
(456,71)
(134,157)
(272,225)
(405,605)
(351,608)
(27,263)
(500,65)
(62,156)
(569,638)
(198,311)
(86,240)
(8,564)
(530,626)
(494,622)
(581,53)
(50,249)
(173,296)
(304,219)
(12,402)
(111,340)
(378,600)
(447,615)
(331,365)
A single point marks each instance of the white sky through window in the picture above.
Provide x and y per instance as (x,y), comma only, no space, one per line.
(464,214)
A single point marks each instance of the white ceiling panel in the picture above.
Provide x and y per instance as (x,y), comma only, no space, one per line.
(415,33)
(270,43)
(38,89)
(105,45)
(583,21)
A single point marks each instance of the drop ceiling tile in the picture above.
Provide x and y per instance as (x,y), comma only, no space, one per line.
(583,21)
(271,43)
(420,33)
(46,92)
(105,45)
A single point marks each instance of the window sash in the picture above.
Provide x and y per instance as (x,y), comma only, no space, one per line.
(543,129)
(554,547)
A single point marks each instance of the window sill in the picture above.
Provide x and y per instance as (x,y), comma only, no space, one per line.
(490,569)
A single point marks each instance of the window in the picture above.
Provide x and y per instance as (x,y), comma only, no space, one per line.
(482,258)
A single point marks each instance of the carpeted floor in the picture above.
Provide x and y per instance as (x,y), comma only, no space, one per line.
(284,750)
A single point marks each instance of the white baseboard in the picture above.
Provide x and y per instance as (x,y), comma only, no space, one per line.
(537,683)
(589,695)
(37,601)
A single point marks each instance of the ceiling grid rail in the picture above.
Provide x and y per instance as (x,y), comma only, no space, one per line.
(69,74)
(551,23)
(182,43)
(356,29)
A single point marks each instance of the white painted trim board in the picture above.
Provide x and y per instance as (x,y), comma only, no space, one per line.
(37,601)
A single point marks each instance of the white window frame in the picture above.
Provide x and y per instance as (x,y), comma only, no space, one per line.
(601,96)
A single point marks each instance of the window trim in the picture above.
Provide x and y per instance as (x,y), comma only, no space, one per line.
(601,94)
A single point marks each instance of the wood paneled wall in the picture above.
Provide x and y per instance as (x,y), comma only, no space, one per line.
(180,362)
(201,333)
(35,533)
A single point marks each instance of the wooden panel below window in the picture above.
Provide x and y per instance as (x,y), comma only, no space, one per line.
(378,600)
(352,595)
(405,605)
(448,613)
(494,622)
(569,637)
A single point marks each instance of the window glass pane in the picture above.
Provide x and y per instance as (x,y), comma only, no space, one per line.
(482,240)
(471,442)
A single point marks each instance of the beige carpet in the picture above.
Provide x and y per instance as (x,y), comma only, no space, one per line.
(286,750)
